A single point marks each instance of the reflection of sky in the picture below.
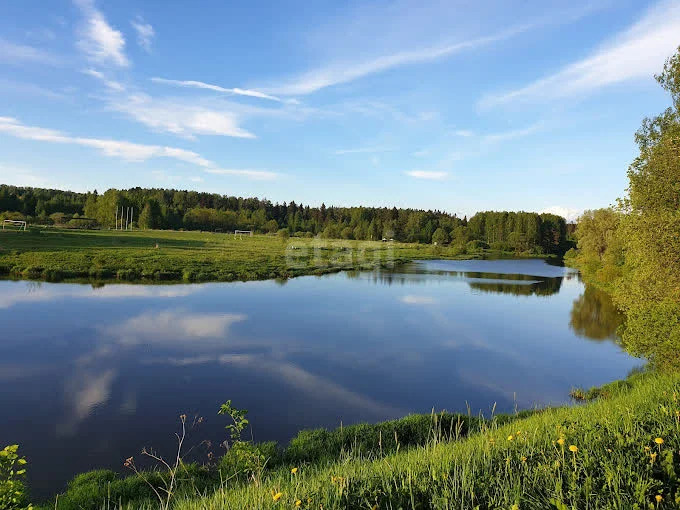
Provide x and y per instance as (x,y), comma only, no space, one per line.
(119,363)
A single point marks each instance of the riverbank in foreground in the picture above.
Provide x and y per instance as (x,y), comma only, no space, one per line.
(159,255)
(619,451)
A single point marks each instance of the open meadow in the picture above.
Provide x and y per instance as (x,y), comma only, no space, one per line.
(61,254)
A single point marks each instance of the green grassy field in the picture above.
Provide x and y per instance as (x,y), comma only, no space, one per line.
(55,255)
(620,452)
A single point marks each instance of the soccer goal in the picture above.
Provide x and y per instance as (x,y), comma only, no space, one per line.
(241,233)
(21,225)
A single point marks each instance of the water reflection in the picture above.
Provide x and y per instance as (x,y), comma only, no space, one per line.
(103,372)
(594,316)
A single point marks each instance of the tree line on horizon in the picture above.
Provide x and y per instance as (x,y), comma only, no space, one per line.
(192,210)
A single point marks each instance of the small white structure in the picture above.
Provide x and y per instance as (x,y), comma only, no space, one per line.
(16,223)
(241,233)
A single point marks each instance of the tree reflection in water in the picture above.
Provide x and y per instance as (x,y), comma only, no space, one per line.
(594,315)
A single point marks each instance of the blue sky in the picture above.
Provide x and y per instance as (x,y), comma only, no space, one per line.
(453,105)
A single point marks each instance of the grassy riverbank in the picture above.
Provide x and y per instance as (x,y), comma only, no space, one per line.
(620,451)
(57,255)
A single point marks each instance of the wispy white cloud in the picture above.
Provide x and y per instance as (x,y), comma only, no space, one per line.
(145,33)
(513,133)
(364,150)
(29,89)
(15,53)
(99,41)
(318,79)
(179,117)
(125,150)
(412,299)
(465,133)
(115,148)
(429,175)
(383,110)
(178,328)
(41,34)
(568,213)
(258,175)
(216,88)
(637,53)
(110,84)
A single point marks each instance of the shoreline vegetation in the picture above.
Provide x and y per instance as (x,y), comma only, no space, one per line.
(178,256)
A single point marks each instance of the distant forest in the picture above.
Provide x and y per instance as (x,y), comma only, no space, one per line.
(192,210)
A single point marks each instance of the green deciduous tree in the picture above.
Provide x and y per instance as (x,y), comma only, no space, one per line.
(635,251)
(440,236)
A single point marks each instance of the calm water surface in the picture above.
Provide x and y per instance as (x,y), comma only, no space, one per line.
(89,376)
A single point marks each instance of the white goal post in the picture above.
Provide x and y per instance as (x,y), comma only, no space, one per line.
(16,223)
(241,233)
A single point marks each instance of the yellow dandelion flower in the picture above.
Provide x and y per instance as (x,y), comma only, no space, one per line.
(658,441)
(524,459)
(514,507)
(511,437)
(658,498)
(560,441)
(294,470)
(277,496)
(298,503)
(573,448)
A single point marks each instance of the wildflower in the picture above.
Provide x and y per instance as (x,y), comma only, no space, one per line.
(277,496)
(511,437)
(514,507)
(658,498)
(573,448)
(652,456)
(647,448)
(658,441)
(294,470)
(524,459)
(298,503)
(560,441)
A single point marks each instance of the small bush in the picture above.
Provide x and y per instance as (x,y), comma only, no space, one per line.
(476,246)
(247,460)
